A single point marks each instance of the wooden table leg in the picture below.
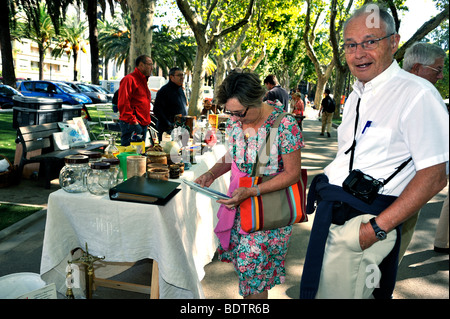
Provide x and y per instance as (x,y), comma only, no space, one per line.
(154,294)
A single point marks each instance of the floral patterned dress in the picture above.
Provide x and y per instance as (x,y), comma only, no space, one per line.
(259,257)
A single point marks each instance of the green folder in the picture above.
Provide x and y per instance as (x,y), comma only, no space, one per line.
(144,190)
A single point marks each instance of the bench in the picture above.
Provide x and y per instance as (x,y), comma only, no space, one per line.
(40,137)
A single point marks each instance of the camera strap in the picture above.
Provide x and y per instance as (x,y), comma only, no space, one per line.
(352,150)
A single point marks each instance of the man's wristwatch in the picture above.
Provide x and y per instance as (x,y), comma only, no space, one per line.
(381,234)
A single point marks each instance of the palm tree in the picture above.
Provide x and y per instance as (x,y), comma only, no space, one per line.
(114,39)
(71,40)
(40,30)
(168,50)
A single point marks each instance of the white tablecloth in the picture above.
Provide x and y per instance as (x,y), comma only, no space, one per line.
(179,236)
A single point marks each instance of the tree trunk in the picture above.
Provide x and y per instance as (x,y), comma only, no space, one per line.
(142,12)
(341,74)
(205,42)
(41,62)
(198,77)
(105,70)
(220,72)
(75,65)
(320,88)
(93,40)
(9,76)
(323,73)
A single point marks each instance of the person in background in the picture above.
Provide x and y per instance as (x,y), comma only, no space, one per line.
(298,108)
(427,61)
(258,257)
(327,108)
(114,101)
(170,101)
(134,101)
(395,132)
(276,92)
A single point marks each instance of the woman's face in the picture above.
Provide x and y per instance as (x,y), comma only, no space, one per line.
(235,107)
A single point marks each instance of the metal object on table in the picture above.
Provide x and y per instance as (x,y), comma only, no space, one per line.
(88,261)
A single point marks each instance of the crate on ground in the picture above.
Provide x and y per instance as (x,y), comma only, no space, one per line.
(24,116)
(71,111)
(37,103)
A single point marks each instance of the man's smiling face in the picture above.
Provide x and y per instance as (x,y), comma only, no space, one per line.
(367,64)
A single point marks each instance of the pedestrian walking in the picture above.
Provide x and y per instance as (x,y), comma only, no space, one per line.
(327,108)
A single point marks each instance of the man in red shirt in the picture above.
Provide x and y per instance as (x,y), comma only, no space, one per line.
(134,101)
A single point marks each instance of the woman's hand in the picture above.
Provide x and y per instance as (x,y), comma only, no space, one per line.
(205,180)
(239,195)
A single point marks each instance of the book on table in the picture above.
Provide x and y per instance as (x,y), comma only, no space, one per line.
(141,189)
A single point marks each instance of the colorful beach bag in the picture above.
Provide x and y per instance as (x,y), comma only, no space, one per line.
(276,209)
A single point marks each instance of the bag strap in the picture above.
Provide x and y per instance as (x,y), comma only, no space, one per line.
(266,144)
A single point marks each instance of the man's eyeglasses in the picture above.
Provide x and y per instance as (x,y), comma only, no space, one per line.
(241,115)
(181,75)
(366,45)
(438,71)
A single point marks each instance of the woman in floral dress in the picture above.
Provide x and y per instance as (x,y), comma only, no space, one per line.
(258,257)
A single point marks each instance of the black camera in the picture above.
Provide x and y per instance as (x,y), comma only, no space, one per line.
(362,186)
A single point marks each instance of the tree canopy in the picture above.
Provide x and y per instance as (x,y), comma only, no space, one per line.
(297,40)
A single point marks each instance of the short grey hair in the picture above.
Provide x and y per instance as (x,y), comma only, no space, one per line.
(173,70)
(422,53)
(244,86)
(384,16)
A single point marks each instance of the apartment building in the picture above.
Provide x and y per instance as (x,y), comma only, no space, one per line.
(26,63)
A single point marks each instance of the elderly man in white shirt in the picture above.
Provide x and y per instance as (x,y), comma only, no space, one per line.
(390,117)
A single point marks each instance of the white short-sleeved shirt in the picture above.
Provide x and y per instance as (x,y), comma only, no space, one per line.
(400,116)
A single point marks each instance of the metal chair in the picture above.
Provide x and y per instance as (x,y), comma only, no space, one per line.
(106,120)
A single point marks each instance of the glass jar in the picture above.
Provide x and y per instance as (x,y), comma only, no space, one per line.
(99,178)
(93,156)
(115,171)
(72,177)
(111,151)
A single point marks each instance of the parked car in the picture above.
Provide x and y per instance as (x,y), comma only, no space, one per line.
(6,96)
(53,89)
(84,89)
(99,89)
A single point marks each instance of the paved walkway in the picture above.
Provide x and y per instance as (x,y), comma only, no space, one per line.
(423,274)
